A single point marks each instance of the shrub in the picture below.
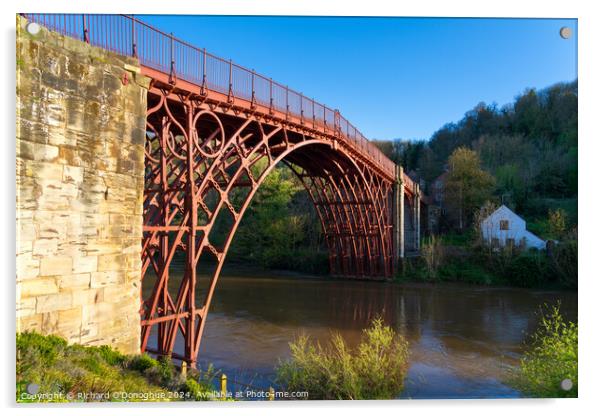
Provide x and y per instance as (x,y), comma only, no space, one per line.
(63,369)
(374,370)
(551,358)
(466,269)
(557,220)
(433,255)
(141,362)
(527,269)
(564,258)
(412,268)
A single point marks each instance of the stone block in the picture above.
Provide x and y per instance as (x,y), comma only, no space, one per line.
(110,262)
(55,302)
(35,287)
(45,246)
(73,174)
(102,279)
(83,297)
(85,264)
(74,281)
(28,267)
(55,266)
(26,307)
(30,323)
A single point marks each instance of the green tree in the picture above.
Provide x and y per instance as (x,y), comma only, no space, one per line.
(280,228)
(468,186)
(557,220)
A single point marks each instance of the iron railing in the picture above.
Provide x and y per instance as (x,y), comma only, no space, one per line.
(127,35)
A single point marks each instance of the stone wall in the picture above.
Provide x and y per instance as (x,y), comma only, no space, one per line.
(80,174)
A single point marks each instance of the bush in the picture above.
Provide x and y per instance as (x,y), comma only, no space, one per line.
(466,269)
(550,359)
(565,261)
(516,267)
(374,370)
(433,255)
(557,220)
(141,363)
(60,369)
(527,269)
(412,268)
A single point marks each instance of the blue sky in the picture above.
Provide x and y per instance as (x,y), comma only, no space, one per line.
(392,77)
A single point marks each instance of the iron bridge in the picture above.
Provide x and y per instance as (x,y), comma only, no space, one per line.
(215,130)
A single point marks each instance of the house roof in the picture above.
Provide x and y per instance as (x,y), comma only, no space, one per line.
(503,210)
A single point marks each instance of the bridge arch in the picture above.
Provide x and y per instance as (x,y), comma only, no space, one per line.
(203,162)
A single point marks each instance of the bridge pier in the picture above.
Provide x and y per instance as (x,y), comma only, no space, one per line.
(406,217)
(416,213)
(398,216)
(80,172)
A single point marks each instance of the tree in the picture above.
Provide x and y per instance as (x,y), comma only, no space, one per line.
(467,186)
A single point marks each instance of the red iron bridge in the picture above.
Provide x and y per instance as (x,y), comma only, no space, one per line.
(215,130)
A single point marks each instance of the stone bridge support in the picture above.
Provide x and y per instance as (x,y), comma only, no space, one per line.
(81,115)
(406,217)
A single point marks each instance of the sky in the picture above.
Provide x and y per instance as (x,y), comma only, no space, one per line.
(391,77)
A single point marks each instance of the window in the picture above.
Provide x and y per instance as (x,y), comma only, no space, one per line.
(504,225)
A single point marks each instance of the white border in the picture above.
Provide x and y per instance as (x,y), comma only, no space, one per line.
(590,153)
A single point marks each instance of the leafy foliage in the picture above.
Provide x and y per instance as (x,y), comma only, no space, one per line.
(467,186)
(280,229)
(374,370)
(529,146)
(551,358)
(433,255)
(62,369)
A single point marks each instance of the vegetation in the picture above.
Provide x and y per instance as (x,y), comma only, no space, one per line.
(466,258)
(280,229)
(529,147)
(374,370)
(551,358)
(433,255)
(467,186)
(77,373)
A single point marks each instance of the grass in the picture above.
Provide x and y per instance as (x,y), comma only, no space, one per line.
(376,369)
(551,357)
(67,373)
(464,239)
(458,269)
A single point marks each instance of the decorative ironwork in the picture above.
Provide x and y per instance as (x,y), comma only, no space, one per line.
(204,163)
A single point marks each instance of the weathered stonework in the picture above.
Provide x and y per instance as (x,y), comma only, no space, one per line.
(80,176)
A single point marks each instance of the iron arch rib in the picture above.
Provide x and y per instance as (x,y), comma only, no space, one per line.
(204,163)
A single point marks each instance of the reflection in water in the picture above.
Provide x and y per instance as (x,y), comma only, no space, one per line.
(463,338)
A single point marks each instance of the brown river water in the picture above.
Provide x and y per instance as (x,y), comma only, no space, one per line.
(463,339)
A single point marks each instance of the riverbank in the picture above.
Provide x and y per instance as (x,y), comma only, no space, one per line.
(461,258)
(50,370)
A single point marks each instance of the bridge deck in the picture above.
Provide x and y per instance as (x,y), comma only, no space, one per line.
(193,69)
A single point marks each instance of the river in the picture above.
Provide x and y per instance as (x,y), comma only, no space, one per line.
(463,339)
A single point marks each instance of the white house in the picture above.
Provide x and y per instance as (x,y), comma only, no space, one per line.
(503,227)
